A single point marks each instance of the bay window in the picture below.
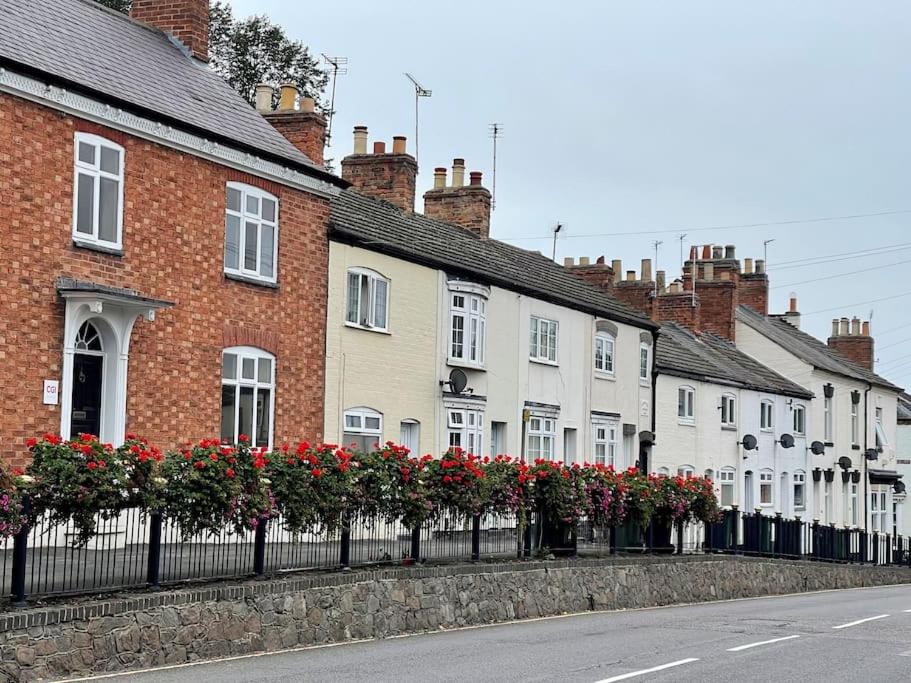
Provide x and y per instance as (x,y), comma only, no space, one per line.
(251,233)
(540,439)
(367,299)
(247,395)
(543,340)
(97,191)
(467,327)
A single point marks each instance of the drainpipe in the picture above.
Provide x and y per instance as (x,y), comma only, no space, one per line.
(645,465)
(866,462)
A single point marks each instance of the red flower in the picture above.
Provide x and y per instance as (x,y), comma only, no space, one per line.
(243,438)
(91,465)
(31,443)
(213,457)
(199,464)
(229,473)
(447,479)
(316,472)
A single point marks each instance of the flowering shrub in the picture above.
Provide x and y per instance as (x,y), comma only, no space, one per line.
(556,492)
(604,492)
(508,487)
(77,480)
(11,519)
(456,483)
(682,499)
(393,485)
(142,468)
(210,486)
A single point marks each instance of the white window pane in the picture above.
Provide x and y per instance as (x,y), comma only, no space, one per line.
(252,205)
(110,160)
(245,413)
(248,368)
(234,199)
(264,370)
(85,204)
(473,340)
(232,242)
(380,293)
(372,423)
(250,243)
(458,335)
(354,284)
(228,407)
(229,366)
(266,251)
(269,210)
(108,209)
(533,338)
(87,153)
(263,417)
(353,421)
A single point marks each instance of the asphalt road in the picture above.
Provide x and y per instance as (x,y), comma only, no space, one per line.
(852,635)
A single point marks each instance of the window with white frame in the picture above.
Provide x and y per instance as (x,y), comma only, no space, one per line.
(644,362)
(363,428)
(605,445)
(827,418)
(247,395)
(98,191)
(686,471)
(540,438)
(726,483)
(467,327)
(411,434)
(879,430)
(663,472)
(799,419)
(855,424)
(465,429)
(543,340)
(251,232)
(604,353)
(827,501)
(766,419)
(367,299)
(854,510)
(728,410)
(800,489)
(686,399)
(879,513)
(766,479)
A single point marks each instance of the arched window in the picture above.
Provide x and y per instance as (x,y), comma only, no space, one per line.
(766,413)
(728,410)
(247,395)
(363,428)
(368,300)
(686,404)
(686,471)
(251,232)
(605,342)
(663,472)
(726,485)
(98,195)
(88,339)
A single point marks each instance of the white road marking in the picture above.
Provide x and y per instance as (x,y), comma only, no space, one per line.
(632,674)
(763,642)
(906,610)
(861,621)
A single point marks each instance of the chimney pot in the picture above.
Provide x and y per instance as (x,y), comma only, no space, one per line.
(747,265)
(458,172)
(583,260)
(360,139)
(844,327)
(379,147)
(835,327)
(617,266)
(694,253)
(760,265)
(631,276)
(660,279)
(264,97)
(675,287)
(307,104)
(398,144)
(792,300)
(865,328)
(855,326)
(288,98)
(717,253)
(600,260)
(707,252)
(646,268)
(568,261)
(439,177)
(729,251)
(475,178)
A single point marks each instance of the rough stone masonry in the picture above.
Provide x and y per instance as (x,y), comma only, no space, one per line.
(192,624)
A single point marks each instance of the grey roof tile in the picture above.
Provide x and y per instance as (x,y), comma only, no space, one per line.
(138,67)
(380,226)
(710,358)
(808,348)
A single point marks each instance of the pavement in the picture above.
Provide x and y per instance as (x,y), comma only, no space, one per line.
(832,636)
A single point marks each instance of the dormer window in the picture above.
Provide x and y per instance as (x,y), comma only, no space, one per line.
(368,304)
(98,192)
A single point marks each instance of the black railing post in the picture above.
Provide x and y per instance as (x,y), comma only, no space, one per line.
(526,540)
(680,537)
(153,567)
(344,553)
(20,555)
(875,547)
(735,528)
(259,548)
(776,543)
(612,540)
(416,544)
(475,538)
(814,536)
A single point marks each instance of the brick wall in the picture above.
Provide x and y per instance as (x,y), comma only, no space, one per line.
(856,348)
(186,20)
(305,130)
(678,308)
(173,241)
(391,177)
(753,291)
(636,293)
(467,206)
(718,305)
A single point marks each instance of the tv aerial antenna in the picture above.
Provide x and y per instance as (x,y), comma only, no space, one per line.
(419,92)
(339,68)
(557,229)
(656,244)
(496,130)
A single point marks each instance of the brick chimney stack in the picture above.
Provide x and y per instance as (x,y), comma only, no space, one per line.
(390,177)
(465,205)
(296,118)
(598,273)
(853,341)
(717,283)
(792,315)
(186,20)
(754,286)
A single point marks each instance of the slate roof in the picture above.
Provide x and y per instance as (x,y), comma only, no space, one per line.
(69,284)
(83,46)
(709,358)
(808,348)
(380,226)
(904,408)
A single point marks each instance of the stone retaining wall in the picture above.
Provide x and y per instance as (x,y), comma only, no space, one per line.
(189,624)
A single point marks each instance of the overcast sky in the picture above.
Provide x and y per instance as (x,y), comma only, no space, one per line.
(635,117)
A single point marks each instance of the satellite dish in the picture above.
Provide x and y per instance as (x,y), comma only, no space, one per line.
(749,442)
(871,454)
(844,462)
(817,448)
(786,441)
(458,380)
(898,487)
(646,438)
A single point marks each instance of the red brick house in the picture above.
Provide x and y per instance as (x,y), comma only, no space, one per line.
(165,247)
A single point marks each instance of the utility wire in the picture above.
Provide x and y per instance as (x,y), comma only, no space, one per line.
(850,272)
(794,221)
(889,346)
(859,303)
(834,258)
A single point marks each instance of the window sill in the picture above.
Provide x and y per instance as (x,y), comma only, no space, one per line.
(375,330)
(729,428)
(456,363)
(541,361)
(251,280)
(686,423)
(95,246)
(766,430)
(610,376)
